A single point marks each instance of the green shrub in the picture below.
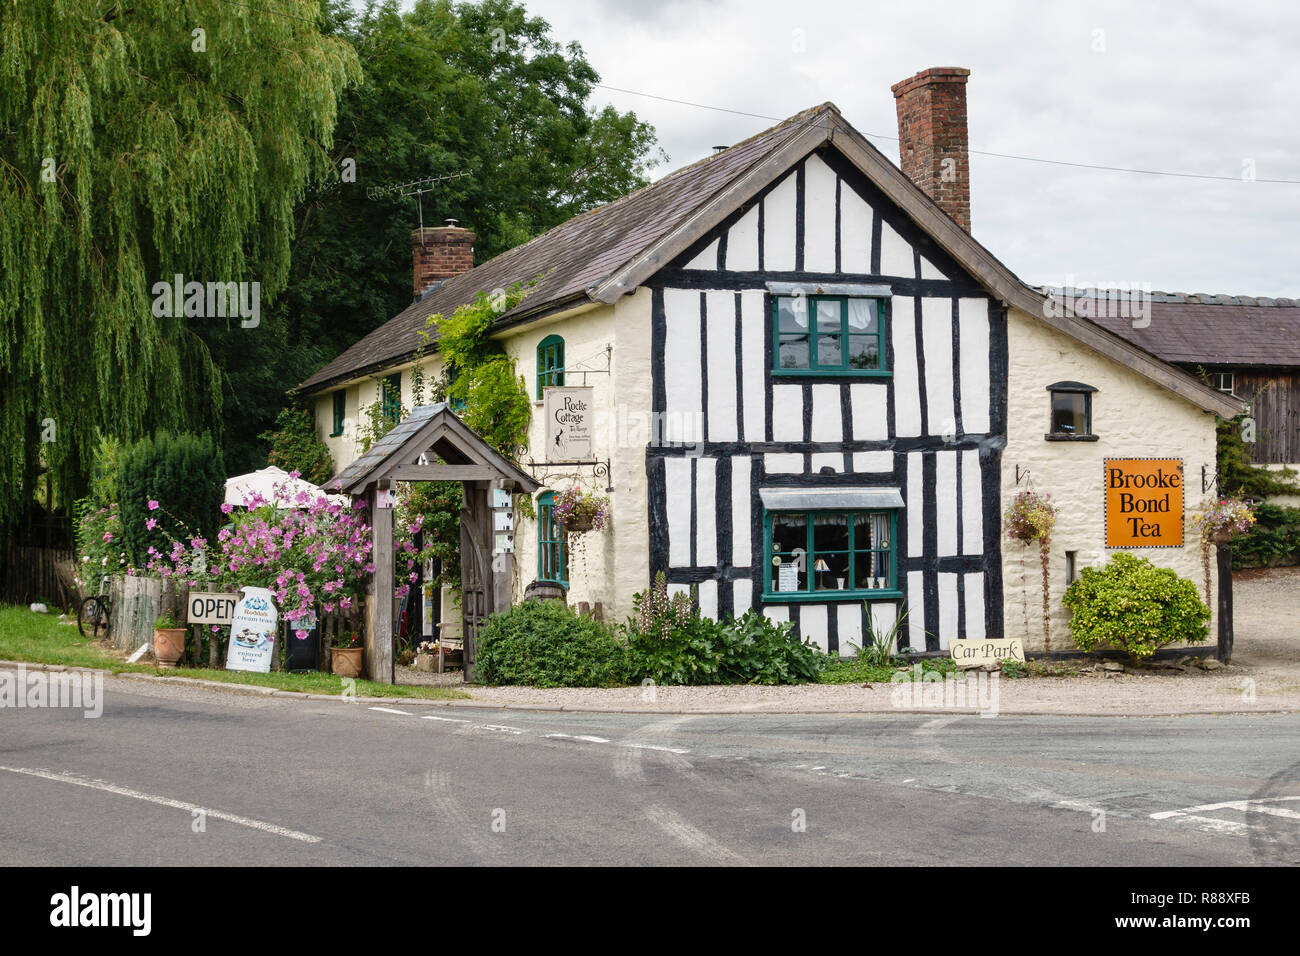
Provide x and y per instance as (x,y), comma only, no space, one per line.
(295,446)
(1273,540)
(1133,606)
(669,643)
(185,474)
(545,644)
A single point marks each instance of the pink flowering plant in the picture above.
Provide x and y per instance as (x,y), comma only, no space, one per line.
(100,546)
(317,552)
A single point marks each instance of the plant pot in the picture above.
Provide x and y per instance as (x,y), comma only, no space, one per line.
(346,661)
(168,645)
(426,662)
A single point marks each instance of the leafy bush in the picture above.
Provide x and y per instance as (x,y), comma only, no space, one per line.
(186,473)
(1135,607)
(669,643)
(295,446)
(100,547)
(545,644)
(1273,540)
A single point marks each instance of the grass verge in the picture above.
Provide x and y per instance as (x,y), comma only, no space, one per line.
(54,639)
(856,670)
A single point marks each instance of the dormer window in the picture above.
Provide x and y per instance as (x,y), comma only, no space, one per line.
(1071,412)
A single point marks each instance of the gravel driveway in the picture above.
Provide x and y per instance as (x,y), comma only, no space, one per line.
(1265,667)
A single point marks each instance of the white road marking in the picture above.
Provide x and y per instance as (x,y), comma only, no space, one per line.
(389,710)
(1216,824)
(500,728)
(450,720)
(930,726)
(167,802)
(671,750)
(583,737)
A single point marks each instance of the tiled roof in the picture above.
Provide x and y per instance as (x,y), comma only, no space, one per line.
(574,256)
(1198,328)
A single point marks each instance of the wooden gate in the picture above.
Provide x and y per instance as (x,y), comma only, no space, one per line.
(475,569)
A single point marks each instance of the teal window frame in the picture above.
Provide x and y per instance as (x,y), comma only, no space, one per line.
(842,369)
(340,411)
(457,405)
(550,543)
(390,389)
(550,363)
(891,591)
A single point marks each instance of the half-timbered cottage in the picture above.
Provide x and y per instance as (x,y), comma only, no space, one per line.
(811,390)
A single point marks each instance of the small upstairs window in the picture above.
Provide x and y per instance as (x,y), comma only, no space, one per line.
(1224,381)
(391,396)
(1071,412)
(340,411)
(550,363)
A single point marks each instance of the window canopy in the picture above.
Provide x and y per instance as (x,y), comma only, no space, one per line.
(834,496)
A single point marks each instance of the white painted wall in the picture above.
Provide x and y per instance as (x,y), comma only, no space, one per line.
(1134,419)
(611,566)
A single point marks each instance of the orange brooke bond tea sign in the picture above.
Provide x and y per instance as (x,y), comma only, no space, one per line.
(1144,502)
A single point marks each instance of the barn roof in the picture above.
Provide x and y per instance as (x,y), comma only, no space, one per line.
(1202,329)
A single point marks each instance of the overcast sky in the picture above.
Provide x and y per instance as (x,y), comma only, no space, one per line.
(1189,87)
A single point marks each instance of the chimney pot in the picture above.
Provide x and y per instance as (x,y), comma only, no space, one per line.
(933,142)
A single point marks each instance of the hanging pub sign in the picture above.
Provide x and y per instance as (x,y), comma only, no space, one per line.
(252,632)
(568,423)
(1144,502)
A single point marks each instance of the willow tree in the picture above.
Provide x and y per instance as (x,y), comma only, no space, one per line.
(141,140)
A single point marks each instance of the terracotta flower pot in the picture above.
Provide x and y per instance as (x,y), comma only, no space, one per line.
(346,661)
(168,645)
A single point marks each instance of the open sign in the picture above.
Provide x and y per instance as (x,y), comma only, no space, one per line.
(210,608)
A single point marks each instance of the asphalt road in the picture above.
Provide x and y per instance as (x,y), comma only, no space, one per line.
(195,777)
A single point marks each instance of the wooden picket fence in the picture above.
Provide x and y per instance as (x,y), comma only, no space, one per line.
(134,604)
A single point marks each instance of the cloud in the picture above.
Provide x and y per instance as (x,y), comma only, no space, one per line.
(1192,87)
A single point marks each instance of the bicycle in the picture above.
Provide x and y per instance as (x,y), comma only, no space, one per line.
(95,613)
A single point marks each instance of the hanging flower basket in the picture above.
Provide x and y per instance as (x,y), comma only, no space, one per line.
(1031,517)
(580,511)
(1218,523)
(1223,520)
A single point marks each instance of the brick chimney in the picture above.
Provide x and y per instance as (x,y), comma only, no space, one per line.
(931,129)
(439,253)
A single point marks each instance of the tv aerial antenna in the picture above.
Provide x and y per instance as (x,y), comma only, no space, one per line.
(416,188)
